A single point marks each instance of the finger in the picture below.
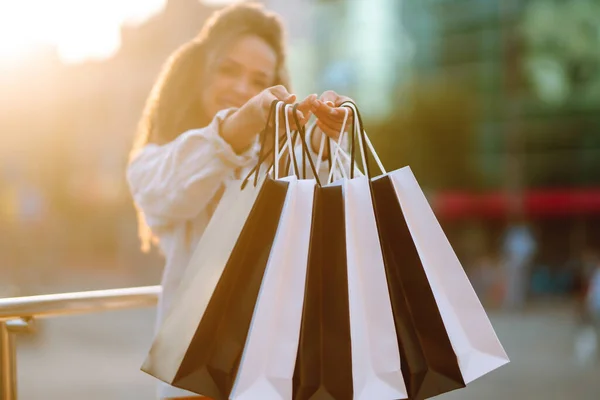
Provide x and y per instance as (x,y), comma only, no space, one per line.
(329,96)
(329,130)
(306,105)
(324,111)
(291,99)
(321,110)
(308,101)
(332,133)
(333,99)
(302,118)
(327,108)
(342,99)
(332,124)
(281,93)
(268,98)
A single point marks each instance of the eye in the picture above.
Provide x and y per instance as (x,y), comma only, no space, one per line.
(227,69)
(260,83)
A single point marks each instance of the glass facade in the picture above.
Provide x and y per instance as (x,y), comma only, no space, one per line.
(373,50)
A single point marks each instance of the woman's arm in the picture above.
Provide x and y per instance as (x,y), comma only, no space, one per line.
(176,181)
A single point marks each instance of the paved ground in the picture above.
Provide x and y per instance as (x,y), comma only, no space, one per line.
(98,358)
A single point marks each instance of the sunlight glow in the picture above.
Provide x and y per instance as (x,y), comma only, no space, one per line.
(80,29)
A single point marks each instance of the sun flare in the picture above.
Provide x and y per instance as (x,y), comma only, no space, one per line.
(79,29)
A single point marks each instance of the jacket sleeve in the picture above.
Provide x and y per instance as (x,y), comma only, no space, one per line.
(176,181)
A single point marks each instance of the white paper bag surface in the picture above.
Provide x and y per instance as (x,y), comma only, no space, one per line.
(267,366)
(376,368)
(200,279)
(472,336)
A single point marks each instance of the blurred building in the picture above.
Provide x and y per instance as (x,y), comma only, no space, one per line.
(67,131)
(495,105)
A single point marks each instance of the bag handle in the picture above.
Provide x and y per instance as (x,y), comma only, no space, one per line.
(288,163)
(305,152)
(262,156)
(338,150)
(291,140)
(282,149)
(340,169)
(364,142)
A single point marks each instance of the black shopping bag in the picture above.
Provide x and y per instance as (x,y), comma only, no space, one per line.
(429,364)
(211,361)
(324,363)
(200,344)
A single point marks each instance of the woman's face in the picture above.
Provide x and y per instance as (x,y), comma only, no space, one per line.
(244,70)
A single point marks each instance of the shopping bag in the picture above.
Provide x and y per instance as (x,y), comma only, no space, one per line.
(267,367)
(324,364)
(473,340)
(199,346)
(376,367)
(348,345)
(429,364)
(200,343)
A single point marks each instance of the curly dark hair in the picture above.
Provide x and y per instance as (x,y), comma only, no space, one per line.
(173,106)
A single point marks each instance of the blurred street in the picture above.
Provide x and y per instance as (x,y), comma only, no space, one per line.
(98,357)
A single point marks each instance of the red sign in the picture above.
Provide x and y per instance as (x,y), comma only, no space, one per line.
(536,203)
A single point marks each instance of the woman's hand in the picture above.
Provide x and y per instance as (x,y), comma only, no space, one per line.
(330,117)
(241,128)
(303,112)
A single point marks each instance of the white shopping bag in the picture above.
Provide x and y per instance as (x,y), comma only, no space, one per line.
(472,336)
(267,367)
(376,367)
(200,279)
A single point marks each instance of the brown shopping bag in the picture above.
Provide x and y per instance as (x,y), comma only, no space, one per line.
(445,337)
(428,361)
(429,364)
(348,335)
(267,366)
(200,344)
(471,334)
(324,364)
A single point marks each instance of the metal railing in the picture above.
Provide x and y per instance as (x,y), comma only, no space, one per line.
(16,314)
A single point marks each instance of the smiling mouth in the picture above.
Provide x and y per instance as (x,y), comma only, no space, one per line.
(229,104)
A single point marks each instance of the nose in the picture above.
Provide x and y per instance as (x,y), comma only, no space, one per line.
(243,89)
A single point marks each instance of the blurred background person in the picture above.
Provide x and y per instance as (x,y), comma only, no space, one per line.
(587,336)
(593,297)
(593,293)
(519,248)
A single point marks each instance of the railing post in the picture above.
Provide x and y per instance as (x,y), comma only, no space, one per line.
(17,315)
(8,363)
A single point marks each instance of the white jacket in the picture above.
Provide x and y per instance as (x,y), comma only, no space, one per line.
(177,186)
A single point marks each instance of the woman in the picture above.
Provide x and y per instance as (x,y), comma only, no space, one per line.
(199,130)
